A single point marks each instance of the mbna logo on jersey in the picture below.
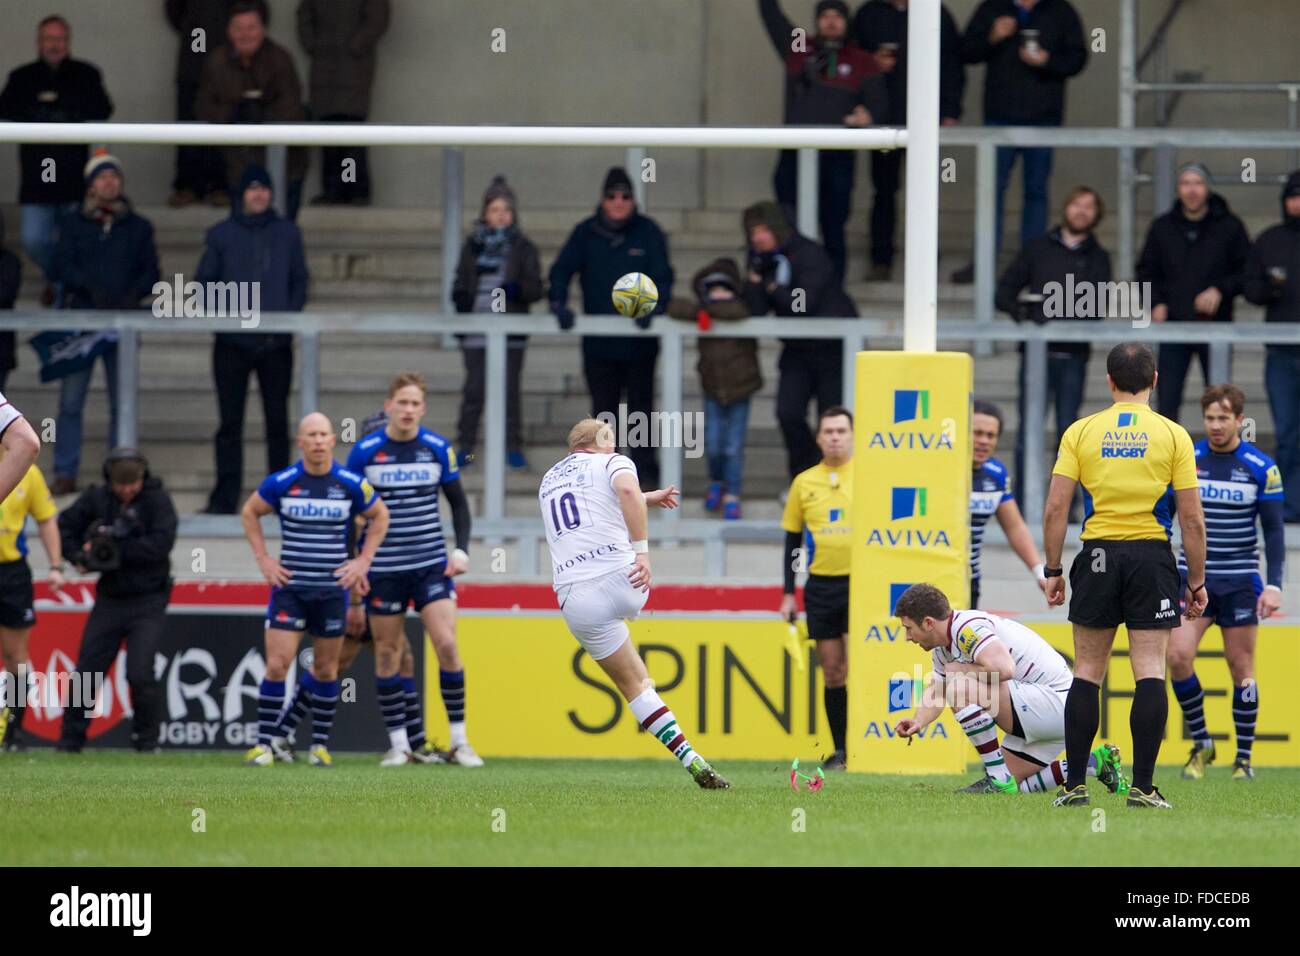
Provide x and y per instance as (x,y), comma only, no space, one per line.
(911,405)
(315,509)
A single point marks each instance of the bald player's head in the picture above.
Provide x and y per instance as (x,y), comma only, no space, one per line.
(314,422)
(316,438)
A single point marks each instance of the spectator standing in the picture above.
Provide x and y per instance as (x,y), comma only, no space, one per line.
(880,27)
(1195,259)
(340,36)
(617,240)
(200,26)
(829,81)
(499,271)
(11,277)
(792,276)
(252,79)
(105,259)
(54,88)
(1031,47)
(1272,279)
(1068,257)
(729,375)
(254,245)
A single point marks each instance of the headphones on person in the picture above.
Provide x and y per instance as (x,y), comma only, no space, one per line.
(123,453)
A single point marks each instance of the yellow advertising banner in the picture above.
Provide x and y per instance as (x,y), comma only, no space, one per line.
(911,524)
(531,692)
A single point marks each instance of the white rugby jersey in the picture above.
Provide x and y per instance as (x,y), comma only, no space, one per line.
(8,414)
(584,524)
(1036,661)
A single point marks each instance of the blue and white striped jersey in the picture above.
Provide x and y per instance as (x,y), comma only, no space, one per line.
(316,514)
(990,486)
(1238,488)
(408,476)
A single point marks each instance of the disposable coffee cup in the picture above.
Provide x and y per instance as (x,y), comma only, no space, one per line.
(1277,275)
(1029,40)
(891,48)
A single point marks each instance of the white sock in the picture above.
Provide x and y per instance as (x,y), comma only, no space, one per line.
(398,740)
(458,736)
(982,732)
(653,714)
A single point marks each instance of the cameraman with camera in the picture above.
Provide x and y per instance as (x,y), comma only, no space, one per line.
(1069,256)
(124,529)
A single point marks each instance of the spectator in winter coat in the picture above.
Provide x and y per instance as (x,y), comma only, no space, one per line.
(617,240)
(790,276)
(1031,47)
(499,271)
(1066,258)
(54,88)
(105,259)
(254,245)
(729,375)
(829,81)
(1195,259)
(1272,279)
(341,36)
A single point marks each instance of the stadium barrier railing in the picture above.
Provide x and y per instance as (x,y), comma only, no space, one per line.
(493,524)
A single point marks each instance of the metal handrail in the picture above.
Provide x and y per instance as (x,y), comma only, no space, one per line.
(672,335)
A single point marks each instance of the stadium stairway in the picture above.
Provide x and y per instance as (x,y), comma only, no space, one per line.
(369,258)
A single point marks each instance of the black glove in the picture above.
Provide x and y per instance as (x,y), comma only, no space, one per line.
(644,321)
(563,315)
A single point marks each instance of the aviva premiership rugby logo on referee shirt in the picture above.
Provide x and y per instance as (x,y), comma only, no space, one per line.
(1126,440)
(912,405)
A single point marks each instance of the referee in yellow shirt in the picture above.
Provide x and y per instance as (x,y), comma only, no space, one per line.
(1126,458)
(816,519)
(31,496)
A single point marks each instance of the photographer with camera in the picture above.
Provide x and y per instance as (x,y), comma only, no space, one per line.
(1069,256)
(124,529)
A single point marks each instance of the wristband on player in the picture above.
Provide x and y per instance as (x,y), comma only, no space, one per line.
(1038,571)
(459,553)
(1199,587)
(1272,587)
(641,546)
(1053,572)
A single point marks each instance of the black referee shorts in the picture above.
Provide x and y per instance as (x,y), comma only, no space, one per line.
(1134,583)
(826,600)
(16,611)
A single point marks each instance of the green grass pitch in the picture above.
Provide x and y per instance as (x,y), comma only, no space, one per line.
(116,808)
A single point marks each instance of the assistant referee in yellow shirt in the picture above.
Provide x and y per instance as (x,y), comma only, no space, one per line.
(32,497)
(816,520)
(1126,458)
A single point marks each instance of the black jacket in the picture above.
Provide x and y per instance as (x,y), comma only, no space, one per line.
(1014,91)
(1181,259)
(266,249)
(601,255)
(1048,260)
(823,84)
(1276,248)
(73,93)
(811,276)
(105,264)
(186,16)
(145,531)
(879,21)
(11,277)
(523,275)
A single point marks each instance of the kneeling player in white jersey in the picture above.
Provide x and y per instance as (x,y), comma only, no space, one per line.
(997,673)
(595,517)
